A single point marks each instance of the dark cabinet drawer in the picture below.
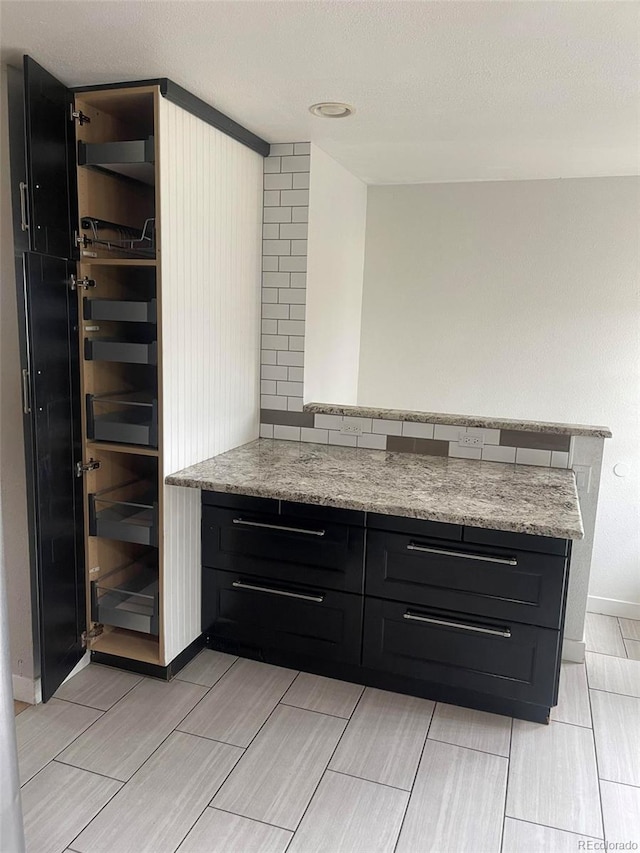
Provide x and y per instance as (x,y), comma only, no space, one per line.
(488,581)
(502,659)
(300,620)
(284,548)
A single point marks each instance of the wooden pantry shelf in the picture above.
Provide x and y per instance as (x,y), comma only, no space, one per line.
(127,644)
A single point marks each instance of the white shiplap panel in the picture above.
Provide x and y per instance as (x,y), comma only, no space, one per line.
(210,241)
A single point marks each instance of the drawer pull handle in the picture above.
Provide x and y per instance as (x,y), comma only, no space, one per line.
(496,632)
(505,561)
(240,585)
(278,527)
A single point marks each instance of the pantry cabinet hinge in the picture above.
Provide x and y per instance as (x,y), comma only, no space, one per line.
(95,631)
(79,116)
(91,465)
(81,241)
(85,282)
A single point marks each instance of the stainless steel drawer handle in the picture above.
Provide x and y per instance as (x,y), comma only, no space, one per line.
(241,585)
(505,561)
(24,222)
(496,632)
(245,523)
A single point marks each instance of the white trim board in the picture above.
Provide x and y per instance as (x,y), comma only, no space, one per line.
(573,650)
(613,607)
(27,690)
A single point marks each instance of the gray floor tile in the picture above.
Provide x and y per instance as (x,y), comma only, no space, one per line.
(573,700)
(160,803)
(98,686)
(349,815)
(325,695)
(278,774)
(43,731)
(127,734)
(59,802)
(616,675)
(621,810)
(603,635)
(474,729)
(384,738)
(522,837)
(457,803)
(207,668)
(633,649)
(616,726)
(237,706)
(630,628)
(222,832)
(553,778)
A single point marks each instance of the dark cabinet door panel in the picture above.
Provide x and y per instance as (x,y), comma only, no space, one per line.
(503,659)
(285,548)
(300,620)
(487,581)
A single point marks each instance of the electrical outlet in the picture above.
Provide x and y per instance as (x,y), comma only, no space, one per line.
(583,478)
(350,429)
(470,439)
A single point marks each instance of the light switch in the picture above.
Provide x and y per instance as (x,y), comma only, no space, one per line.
(583,477)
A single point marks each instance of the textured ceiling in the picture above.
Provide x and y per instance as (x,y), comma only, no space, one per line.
(444,91)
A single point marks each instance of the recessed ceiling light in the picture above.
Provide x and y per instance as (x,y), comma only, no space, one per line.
(331,109)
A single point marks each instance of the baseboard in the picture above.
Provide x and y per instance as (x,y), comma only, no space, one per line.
(573,650)
(613,607)
(27,690)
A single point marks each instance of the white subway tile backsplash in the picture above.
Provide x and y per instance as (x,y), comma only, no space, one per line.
(276,279)
(275,342)
(529,456)
(270,295)
(294,264)
(317,436)
(274,371)
(342,440)
(445,432)
(385,427)
(296,374)
(268,356)
(280,149)
(363,423)
(268,401)
(464,452)
(301,181)
(275,312)
(278,182)
(290,389)
(299,279)
(300,214)
(269,263)
(372,442)
(294,404)
(294,359)
(496,453)
(414,430)
(277,214)
(297,312)
(295,198)
(271,231)
(559,459)
(297,163)
(271,165)
(298,247)
(276,247)
(296,343)
(328,421)
(293,294)
(266,430)
(267,386)
(290,327)
(293,231)
(272,198)
(290,433)
(269,327)
(301,147)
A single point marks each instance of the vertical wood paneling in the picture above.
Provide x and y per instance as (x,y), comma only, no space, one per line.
(210,211)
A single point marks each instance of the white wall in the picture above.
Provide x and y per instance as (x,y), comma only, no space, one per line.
(14,547)
(515,299)
(335,259)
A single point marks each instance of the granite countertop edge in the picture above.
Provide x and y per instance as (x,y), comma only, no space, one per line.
(458,420)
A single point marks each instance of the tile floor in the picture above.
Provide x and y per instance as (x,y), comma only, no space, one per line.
(235,756)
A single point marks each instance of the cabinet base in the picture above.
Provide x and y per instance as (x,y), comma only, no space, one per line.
(166,673)
(386,681)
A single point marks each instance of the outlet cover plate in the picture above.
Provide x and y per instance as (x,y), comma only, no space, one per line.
(469,439)
(350,429)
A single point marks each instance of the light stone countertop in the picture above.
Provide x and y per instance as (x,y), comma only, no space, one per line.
(493,495)
(458,420)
